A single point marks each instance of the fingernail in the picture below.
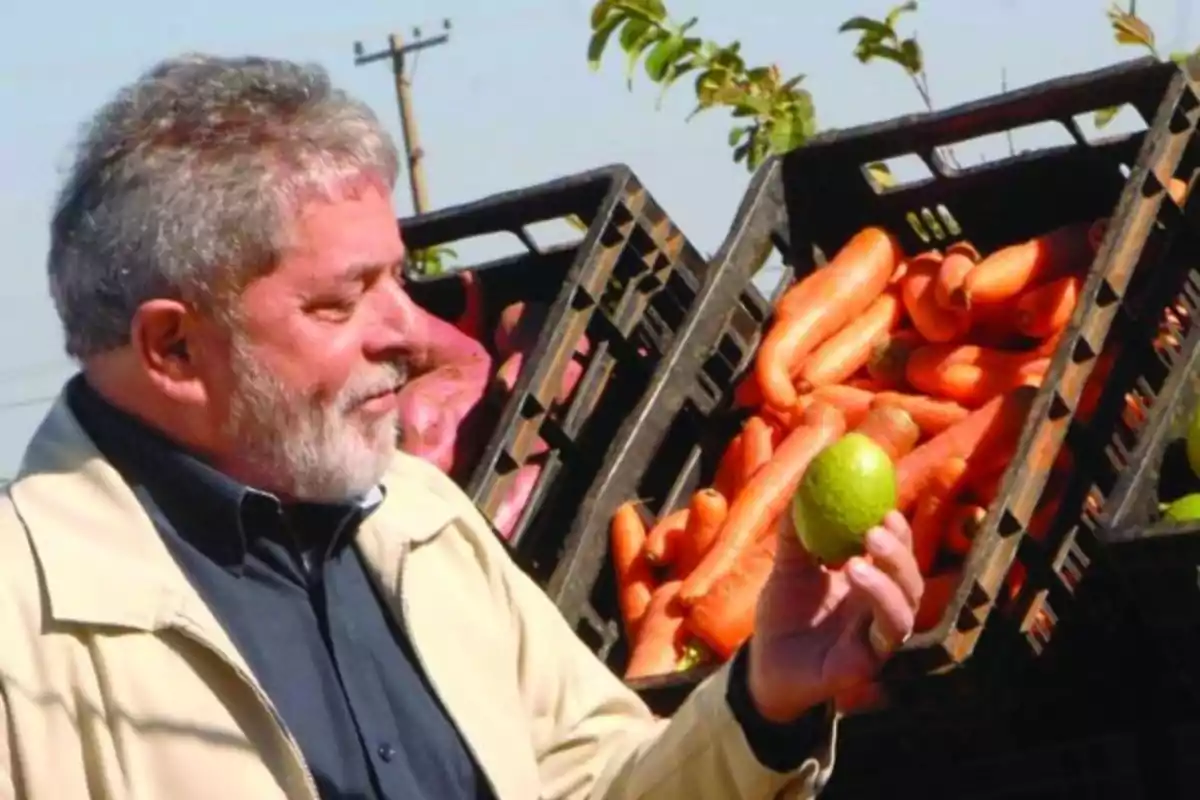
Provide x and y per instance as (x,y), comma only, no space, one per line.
(859,567)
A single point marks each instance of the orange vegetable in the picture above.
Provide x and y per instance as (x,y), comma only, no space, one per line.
(848,350)
(931,415)
(950,275)
(724,617)
(931,519)
(764,497)
(662,543)
(657,648)
(706,513)
(635,583)
(939,591)
(1046,310)
(870,246)
(993,427)
(962,525)
(934,321)
(1009,271)
(856,276)
(747,394)
(970,374)
(964,248)
(728,477)
(890,355)
(892,429)
(854,403)
(757,444)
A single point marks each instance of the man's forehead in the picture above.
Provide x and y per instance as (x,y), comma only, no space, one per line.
(355,232)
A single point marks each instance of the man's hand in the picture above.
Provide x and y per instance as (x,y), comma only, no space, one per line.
(819,631)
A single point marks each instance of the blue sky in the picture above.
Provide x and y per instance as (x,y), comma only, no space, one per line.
(509,102)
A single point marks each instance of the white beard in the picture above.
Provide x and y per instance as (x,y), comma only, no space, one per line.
(315,451)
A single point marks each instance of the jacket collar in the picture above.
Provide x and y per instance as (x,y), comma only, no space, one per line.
(103,563)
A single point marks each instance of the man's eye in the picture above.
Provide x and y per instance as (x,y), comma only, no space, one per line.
(332,309)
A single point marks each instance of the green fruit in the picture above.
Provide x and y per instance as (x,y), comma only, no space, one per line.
(846,491)
(1185,509)
(1193,442)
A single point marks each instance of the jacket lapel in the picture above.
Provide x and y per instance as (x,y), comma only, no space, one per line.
(102,562)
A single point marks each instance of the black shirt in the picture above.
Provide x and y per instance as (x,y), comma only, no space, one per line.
(295,598)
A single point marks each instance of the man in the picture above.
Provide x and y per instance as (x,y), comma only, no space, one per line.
(217,578)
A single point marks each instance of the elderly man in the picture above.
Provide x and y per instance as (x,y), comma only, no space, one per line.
(219,580)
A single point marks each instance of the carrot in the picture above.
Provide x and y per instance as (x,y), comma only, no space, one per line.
(930,521)
(964,248)
(993,427)
(950,275)
(890,355)
(706,513)
(757,444)
(871,246)
(728,477)
(662,543)
(635,582)
(931,415)
(854,403)
(935,322)
(856,276)
(657,648)
(747,394)
(892,429)
(962,525)
(1045,310)
(1009,271)
(984,484)
(939,591)
(848,350)
(764,497)
(723,618)
(969,374)
(1177,190)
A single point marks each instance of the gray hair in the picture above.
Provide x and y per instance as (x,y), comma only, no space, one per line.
(183,184)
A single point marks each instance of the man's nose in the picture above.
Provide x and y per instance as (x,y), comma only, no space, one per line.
(395,323)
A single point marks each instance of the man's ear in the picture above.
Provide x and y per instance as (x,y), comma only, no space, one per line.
(161,335)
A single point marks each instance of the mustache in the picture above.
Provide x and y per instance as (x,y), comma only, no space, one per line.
(390,378)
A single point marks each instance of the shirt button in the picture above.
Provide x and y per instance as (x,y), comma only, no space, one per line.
(386,751)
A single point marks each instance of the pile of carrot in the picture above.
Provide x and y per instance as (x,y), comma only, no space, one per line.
(936,355)
(460,379)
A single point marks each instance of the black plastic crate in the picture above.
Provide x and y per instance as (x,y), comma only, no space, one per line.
(627,284)
(808,203)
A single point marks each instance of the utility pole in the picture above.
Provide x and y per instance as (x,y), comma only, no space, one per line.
(397,50)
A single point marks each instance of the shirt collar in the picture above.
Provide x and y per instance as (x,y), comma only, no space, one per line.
(213,512)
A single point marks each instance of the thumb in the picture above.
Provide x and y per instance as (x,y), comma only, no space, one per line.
(790,552)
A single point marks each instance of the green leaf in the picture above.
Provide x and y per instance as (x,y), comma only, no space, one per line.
(645,37)
(662,56)
(1104,116)
(634,30)
(599,40)
(792,83)
(894,15)
(883,51)
(736,135)
(1180,56)
(741,152)
(880,175)
(868,25)
(601,12)
(914,59)
(1129,28)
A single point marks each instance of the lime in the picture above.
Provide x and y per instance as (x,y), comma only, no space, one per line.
(1185,509)
(846,491)
(1193,442)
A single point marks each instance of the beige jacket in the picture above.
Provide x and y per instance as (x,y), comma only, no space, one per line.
(116,681)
